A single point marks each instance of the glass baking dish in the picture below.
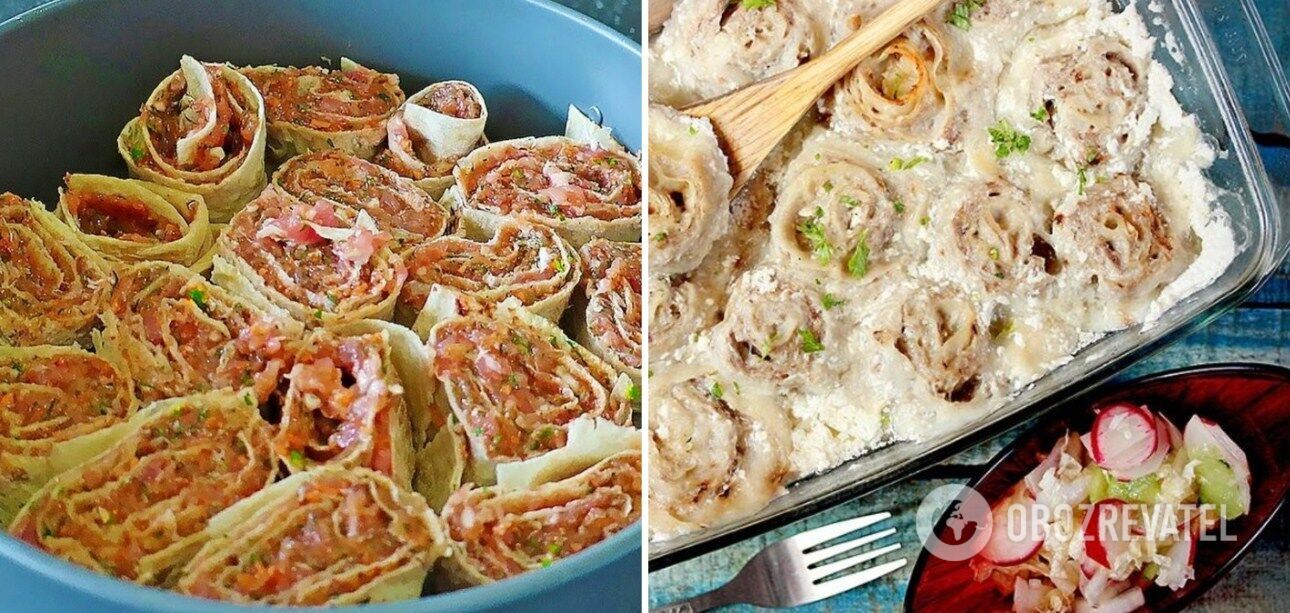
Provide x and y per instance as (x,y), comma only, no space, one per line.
(1249,197)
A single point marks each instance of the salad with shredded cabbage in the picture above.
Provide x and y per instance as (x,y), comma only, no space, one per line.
(1109,513)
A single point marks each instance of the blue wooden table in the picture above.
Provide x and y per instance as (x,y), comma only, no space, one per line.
(1257,331)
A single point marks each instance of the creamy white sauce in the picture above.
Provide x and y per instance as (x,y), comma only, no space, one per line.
(1034,321)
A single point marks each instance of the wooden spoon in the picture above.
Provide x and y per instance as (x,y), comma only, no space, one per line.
(751,121)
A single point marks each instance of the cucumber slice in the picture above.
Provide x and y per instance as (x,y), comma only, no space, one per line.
(1096,483)
(1218,485)
(1144,489)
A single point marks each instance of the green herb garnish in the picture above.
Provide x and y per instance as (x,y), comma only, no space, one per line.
(716,391)
(831,301)
(1007,141)
(903,164)
(198,297)
(858,263)
(813,231)
(960,16)
(810,344)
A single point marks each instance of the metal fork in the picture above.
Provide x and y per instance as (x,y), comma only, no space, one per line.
(800,569)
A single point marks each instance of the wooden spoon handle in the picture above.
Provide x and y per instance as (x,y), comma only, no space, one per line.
(751,121)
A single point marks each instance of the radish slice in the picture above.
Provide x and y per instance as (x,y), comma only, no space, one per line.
(1124,436)
(1013,535)
(1106,533)
(1027,596)
(1182,555)
(1152,463)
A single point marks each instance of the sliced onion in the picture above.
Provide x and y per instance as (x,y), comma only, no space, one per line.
(1027,596)
(1182,555)
(1050,463)
(1124,436)
(1125,602)
(1202,433)
(1175,435)
(1093,585)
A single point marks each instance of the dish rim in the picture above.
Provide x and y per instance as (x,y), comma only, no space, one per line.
(624,544)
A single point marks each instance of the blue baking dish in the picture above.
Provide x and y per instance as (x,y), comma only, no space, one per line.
(74,71)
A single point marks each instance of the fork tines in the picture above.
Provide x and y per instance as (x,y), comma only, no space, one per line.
(815,554)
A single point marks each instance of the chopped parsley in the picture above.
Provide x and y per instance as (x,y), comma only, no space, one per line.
(523,343)
(250,402)
(810,344)
(136,152)
(903,164)
(858,263)
(634,393)
(994,253)
(560,266)
(924,220)
(318,314)
(828,186)
(813,231)
(660,237)
(544,434)
(554,211)
(831,301)
(899,206)
(198,296)
(1082,177)
(297,459)
(756,4)
(960,16)
(694,130)
(770,344)
(1040,114)
(849,201)
(1007,141)
(716,390)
